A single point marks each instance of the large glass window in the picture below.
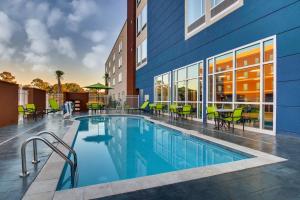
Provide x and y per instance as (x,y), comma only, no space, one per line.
(141,20)
(141,53)
(245,78)
(162,88)
(187,82)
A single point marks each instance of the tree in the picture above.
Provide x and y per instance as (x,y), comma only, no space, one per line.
(72,87)
(8,77)
(59,77)
(106,79)
(39,83)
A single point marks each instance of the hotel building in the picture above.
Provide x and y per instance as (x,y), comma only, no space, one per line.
(227,53)
(120,65)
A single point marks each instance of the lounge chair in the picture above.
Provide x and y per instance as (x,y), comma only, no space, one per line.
(22,111)
(152,107)
(144,106)
(54,106)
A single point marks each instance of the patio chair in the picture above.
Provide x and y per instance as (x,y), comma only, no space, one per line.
(54,106)
(212,114)
(30,108)
(158,108)
(236,116)
(186,110)
(173,109)
(152,107)
(22,111)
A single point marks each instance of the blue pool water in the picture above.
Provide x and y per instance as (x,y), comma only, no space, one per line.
(120,147)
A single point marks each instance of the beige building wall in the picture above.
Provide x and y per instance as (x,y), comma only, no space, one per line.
(120,88)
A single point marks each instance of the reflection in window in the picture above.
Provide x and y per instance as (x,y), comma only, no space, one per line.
(196,10)
(210,88)
(192,90)
(246,86)
(224,87)
(248,56)
(268,51)
(193,71)
(162,88)
(181,91)
(268,83)
(181,74)
(268,117)
(224,62)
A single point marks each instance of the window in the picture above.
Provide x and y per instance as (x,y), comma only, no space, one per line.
(187,87)
(114,57)
(141,20)
(138,2)
(200,14)
(120,61)
(120,77)
(141,53)
(195,13)
(114,69)
(120,46)
(114,81)
(162,88)
(244,78)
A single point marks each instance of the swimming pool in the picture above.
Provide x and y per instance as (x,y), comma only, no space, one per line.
(111,148)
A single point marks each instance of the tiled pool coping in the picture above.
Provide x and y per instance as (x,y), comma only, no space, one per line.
(44,186)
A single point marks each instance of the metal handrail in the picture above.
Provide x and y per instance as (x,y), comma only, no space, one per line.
(35,159)
(55,149)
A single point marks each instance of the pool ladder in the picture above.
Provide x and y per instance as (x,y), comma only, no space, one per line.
(34,139)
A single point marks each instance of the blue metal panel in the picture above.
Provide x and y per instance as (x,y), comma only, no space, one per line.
(255,20)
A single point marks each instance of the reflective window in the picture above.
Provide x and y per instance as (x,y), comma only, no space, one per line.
(192,89)
(181,88)
(162,88)
(247,87)
(224,62)
(196,10)
(247,83)
(248,56)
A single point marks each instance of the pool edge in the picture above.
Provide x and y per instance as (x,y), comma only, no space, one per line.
(44,186)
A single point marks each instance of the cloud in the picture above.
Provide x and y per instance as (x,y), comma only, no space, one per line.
(42,68)
(65,47)
(81,10)
(38,37)
(94,58)
(95,36)
(54,17)
(7,29)
(6,52)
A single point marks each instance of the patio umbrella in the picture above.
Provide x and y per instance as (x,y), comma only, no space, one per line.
(97,87)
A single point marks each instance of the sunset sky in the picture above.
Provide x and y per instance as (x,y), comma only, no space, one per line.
(38,37)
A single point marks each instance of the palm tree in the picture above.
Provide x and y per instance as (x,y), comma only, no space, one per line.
(59,76)
(106,79)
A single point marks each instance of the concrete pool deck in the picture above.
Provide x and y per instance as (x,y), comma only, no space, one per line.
(274,181)
(44,187)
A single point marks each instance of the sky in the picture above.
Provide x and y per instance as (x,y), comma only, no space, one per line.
(38,37)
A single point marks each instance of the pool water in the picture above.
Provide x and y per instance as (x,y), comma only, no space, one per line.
(115,148)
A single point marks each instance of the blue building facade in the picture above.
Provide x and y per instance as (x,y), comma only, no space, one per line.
(255,22)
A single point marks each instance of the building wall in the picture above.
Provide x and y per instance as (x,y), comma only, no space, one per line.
(255,20)
(9,103)
(119,87)
(37,97)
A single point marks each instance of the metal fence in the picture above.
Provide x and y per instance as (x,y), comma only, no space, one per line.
(59,98)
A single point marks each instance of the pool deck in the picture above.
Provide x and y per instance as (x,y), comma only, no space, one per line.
(276,181)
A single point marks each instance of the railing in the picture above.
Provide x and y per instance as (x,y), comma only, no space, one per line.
(73,165)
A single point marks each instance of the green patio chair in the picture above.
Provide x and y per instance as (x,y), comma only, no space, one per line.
(186,110)
(236,116)
(54,106)
(159,108)
(22,111)
(173,109)
(212,114)
(152,107)
(95,106)
(30,108)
